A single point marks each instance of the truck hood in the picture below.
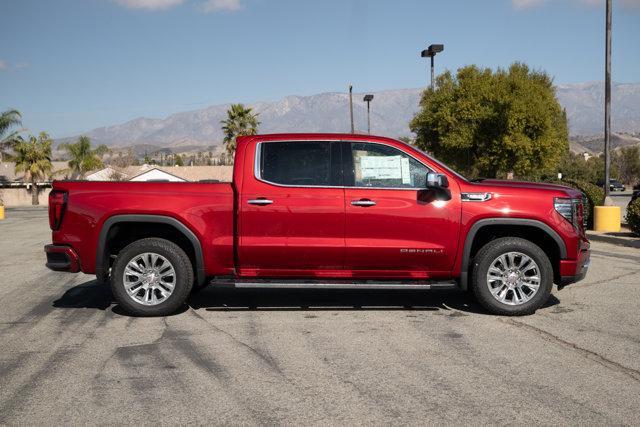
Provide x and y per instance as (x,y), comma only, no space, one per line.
(488,184)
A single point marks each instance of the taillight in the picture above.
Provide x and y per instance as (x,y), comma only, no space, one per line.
(571,209)
(57,206)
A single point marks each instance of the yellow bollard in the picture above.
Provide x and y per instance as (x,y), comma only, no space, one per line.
(606,218)
(1,212)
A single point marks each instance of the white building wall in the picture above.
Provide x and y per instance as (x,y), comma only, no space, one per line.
(156,174)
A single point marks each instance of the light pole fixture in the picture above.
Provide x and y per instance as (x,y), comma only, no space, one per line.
(351,107)
(431,52)
(368,98)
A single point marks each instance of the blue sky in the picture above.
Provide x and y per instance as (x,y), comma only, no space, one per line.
(73,65)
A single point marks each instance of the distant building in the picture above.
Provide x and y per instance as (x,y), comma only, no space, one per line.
(163,173)
(59,170)
(105,174)
(156,174)
(8,176)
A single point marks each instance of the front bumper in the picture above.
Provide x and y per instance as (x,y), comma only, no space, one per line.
(572,271)
(62,258)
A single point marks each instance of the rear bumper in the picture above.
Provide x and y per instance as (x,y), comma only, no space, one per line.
(62,258)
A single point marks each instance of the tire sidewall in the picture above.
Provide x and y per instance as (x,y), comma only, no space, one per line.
(489,253)
(180,263)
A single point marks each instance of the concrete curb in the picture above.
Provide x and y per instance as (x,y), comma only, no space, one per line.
(623,240)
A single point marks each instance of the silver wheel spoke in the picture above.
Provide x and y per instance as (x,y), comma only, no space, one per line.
(493,277)
(134,286)
(502,295)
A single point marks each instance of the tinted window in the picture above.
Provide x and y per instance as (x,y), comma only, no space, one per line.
(297,163)
(377,165)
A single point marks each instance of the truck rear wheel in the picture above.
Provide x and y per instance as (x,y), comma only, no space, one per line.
(151,277)
(512,276)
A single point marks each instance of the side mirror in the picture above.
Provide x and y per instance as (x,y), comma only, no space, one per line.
(437,180)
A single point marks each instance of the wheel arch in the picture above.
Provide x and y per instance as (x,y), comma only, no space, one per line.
(189,240)
(486,229)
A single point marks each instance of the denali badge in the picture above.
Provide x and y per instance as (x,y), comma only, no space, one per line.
(421,251)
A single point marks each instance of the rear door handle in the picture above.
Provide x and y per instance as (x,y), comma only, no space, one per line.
(365,203)
(260,202)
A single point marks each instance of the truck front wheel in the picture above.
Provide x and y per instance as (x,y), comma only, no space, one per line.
(512,276)
(151,277)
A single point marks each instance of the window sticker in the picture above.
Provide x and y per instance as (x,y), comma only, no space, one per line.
(406,174)
(381,167)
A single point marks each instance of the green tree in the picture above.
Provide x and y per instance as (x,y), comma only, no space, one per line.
(240,121)
(82,158)
(577,167)
(488,123)
(627,162)
(8,119)
(179,160)
(33,157)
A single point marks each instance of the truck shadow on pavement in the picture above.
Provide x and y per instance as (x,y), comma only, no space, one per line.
(94,295)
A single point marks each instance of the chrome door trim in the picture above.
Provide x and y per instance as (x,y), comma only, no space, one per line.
(257,175)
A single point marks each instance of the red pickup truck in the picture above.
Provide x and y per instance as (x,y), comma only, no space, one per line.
(322,211)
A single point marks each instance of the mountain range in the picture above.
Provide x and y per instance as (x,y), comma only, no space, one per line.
(391,111)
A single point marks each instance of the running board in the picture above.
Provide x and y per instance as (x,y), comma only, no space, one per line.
(325,284)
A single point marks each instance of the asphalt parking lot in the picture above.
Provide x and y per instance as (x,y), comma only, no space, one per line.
(68,355)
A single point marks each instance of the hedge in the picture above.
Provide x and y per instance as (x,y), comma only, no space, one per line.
(593,196)
(633,216)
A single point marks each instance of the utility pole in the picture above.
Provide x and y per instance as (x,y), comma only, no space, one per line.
(351,107)
(607,105)
(368,99)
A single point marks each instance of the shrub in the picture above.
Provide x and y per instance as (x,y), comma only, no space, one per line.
(593,196)
(633,217)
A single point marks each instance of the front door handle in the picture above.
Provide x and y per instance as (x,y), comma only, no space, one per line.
(365,203)
(260,202)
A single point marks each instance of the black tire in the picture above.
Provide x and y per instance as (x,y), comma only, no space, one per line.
(485,258)
(182,284)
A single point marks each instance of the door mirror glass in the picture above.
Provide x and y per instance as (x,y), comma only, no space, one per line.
(437,180)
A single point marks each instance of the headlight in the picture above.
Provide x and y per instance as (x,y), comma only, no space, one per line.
(571,209)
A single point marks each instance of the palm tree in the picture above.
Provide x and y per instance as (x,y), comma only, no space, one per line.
(8,119)
(82,158)
(240,121)
(33,157)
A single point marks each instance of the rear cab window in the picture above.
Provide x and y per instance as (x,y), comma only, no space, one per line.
(300,163)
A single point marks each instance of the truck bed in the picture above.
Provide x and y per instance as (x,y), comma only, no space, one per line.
(206,209)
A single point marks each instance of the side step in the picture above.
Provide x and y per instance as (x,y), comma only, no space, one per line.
(332,284)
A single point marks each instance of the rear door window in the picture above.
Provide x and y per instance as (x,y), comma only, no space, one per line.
(300,163)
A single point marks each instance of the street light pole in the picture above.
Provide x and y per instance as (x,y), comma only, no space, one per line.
(432,72)
(351,107)
(431,52)
(368,99)
(607,104)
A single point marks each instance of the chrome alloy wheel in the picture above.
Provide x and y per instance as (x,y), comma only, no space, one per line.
(513,278)
(149,278)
